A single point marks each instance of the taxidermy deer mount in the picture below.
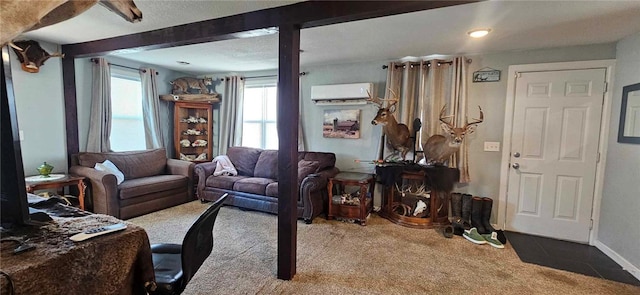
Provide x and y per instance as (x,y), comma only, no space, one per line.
(398,135)
(31,55)
(19,16)
(439,148)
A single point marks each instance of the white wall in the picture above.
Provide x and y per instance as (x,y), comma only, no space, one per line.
(40,108)
(619,228)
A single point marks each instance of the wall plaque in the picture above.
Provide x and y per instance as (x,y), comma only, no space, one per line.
(486,75)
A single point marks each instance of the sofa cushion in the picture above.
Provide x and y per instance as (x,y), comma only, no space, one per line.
(134,164)
(147,185)
(305,168)
(267,165)
(244,159)
(252,185)
(272,190)
(223,181)
(325,160)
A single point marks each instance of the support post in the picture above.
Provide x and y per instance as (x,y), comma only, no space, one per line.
(288,118)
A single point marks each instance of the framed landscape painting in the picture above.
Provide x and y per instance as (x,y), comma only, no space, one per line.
(341,124)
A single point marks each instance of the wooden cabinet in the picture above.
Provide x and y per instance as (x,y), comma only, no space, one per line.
(193,134)
(416,196)
(351,196)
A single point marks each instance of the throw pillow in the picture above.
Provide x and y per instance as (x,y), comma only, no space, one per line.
(305,168)
(109,167)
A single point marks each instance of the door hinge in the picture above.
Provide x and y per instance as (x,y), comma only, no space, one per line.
(591,224)
(598,158)
(606,87)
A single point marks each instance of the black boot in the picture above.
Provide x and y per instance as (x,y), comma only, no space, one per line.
(487,204)
(476,215)
(456,213)
(466,211)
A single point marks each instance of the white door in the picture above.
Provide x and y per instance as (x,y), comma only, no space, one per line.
(554,151)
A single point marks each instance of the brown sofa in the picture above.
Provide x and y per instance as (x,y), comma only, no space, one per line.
(256,185)
(151,182)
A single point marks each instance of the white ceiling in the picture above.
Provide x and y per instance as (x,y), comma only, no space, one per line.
(516,25)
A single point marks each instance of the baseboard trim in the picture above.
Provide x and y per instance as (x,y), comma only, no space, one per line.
(626,265)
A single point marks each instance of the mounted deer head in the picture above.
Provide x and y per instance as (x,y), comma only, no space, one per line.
(439,148)
(31,55)
(20,16)
(398,135)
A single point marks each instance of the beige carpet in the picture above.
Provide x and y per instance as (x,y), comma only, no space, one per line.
(343,258)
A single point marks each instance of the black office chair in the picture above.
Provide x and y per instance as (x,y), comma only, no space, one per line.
(174,265)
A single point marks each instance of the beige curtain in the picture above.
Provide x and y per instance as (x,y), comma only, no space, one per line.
(100,124)
(424,89)
(231,114)
(459,110)
(150,109)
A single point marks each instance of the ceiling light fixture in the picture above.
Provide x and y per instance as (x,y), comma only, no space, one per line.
(183,62)
(478,33)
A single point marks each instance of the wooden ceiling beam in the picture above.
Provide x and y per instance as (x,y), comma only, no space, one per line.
(262,22)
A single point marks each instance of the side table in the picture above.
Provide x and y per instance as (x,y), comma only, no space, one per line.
(58,182)
(347,202)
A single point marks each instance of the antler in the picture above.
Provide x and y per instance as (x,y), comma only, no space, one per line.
(23,52)
(394,100)
(45,57)
(442,117)
(476,121)
(375,100)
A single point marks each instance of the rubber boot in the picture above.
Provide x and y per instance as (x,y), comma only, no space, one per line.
(466,211)
(476,214)
(487,204)
(456,214)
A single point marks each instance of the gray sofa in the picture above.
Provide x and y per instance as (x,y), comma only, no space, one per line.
(151,182)
(256,185)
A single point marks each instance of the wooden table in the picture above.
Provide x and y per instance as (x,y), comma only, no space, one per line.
(365,185)
(35,183)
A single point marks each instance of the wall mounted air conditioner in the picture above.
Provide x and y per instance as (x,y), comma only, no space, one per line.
(341,94)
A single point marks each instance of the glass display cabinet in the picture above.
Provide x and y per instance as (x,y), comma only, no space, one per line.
(193,134)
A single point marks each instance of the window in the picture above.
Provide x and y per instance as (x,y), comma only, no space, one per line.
(127,127)
(259,115)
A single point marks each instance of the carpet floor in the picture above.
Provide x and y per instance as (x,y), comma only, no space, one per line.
(336,257)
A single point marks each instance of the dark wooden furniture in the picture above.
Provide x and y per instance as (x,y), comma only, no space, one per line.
(193,123)
(364,185)
(407,184)
(59,184)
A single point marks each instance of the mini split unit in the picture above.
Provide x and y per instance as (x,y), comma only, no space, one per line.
(341,94)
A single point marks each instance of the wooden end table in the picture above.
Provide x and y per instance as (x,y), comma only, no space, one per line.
(344,204)
(58,182)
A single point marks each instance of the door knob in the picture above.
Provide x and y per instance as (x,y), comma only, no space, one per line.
(515,166)
(516,154)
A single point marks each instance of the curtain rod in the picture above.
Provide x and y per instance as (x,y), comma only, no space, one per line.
(267,76)
(95,60)
(427,63)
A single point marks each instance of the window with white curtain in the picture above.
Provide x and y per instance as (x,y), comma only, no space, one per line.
(259,127)
(127,127)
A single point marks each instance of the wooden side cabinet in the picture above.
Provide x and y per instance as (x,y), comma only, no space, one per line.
(351,196)
(193,134)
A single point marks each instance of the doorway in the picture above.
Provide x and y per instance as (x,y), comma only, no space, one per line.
(553,157)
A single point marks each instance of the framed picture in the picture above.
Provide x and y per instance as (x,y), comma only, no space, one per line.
(341,124)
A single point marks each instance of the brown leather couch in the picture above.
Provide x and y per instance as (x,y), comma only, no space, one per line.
(256,185)
(151,182)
